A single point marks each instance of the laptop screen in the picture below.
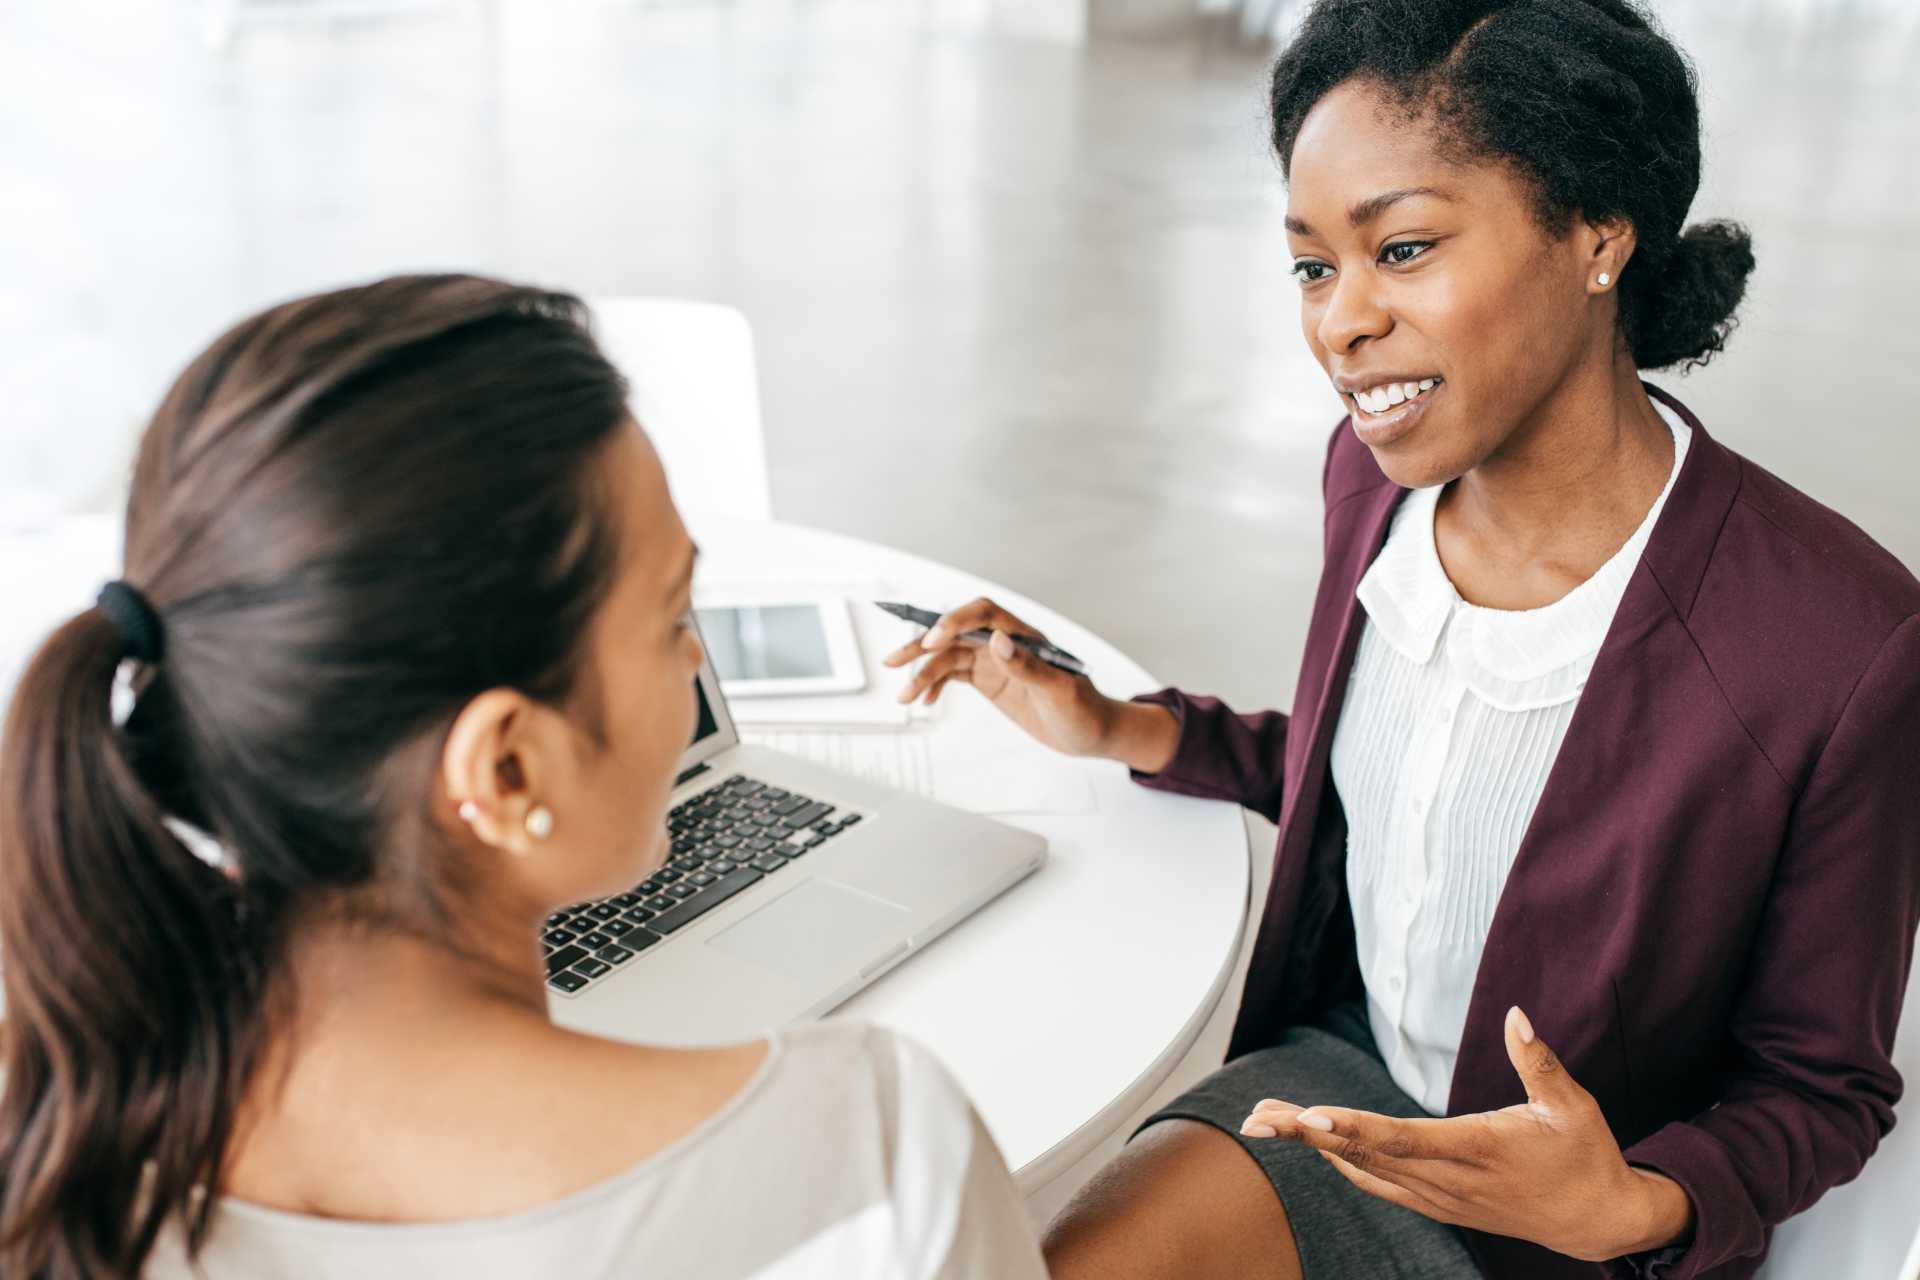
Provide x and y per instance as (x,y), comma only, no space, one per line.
(708,726)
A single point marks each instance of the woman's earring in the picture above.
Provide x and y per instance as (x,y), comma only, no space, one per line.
(1605,280)
(540,823)
(469,811)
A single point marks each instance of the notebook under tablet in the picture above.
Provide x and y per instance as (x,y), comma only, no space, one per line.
(788,888)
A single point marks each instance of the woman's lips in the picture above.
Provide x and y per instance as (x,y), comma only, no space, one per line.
(1377,430)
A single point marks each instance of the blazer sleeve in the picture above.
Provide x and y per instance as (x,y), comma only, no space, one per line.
(1811,1085)
(1222,755)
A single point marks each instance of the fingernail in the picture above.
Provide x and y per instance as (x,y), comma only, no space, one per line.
(1314,1120)
(1522,1025)
(1252,1130)
(934,637)
(1002,645)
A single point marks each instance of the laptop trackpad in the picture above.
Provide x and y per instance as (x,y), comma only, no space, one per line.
(818,930)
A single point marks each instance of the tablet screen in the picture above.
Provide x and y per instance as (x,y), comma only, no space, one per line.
(766,642)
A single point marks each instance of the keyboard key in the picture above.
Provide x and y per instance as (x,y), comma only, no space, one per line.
(566,981)
(638,915)
(811,814)
(759,844)
(687,912)
(617,928)
(769,864)
(681,891)
(595,940)
(614,954)
(603,912)
(748,787)
(591,967)
(639,940)
(625,900)
(559,937)
(848,820)
(791,803)
(553,921)
(661,902)
(564,957)
(702,878)
(814,842)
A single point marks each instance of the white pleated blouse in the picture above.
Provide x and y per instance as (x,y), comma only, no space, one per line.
(1453,716)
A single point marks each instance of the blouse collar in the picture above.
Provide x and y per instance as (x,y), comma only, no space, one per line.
(1514,659)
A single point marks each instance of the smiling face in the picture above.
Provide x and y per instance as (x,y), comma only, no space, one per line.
(1444,314)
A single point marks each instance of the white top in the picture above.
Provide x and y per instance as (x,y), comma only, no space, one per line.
(1452,719)
(851,1153)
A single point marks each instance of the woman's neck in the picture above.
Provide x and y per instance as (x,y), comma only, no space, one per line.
(1559,496)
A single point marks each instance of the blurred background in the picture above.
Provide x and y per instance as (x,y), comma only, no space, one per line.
(1015,268)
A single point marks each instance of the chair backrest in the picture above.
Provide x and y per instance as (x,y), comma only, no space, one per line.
(1867,1228)
(696,391)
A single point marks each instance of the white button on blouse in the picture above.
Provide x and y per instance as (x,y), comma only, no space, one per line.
(1452,718)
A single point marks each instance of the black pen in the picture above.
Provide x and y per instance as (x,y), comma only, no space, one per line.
(1051,654)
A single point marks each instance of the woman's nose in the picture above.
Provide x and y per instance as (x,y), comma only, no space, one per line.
(1353,313)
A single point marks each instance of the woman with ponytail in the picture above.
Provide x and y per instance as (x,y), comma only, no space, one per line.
(1599,859)
(399,665)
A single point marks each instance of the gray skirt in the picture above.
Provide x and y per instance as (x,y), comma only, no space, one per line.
(1340,1231)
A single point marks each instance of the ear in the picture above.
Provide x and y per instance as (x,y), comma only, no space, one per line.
(488,769)
(1606,246)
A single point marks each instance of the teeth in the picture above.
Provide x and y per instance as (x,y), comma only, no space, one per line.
(1382,398)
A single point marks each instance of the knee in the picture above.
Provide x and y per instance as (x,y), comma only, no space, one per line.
(1182,1200)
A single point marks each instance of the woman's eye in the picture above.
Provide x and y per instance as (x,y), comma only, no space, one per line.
(1307,270)
(1404,251)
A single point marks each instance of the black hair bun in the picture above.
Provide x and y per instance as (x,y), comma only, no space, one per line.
(1681,309)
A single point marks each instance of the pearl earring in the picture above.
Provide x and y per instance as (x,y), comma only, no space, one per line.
(1605,279)
(540,823)
(469,811)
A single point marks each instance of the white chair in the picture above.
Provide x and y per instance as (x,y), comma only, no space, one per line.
(1868,1229)
(696,391)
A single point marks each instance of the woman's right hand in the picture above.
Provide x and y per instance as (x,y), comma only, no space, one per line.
(1060,709)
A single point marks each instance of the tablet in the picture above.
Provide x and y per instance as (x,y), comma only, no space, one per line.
(767,648)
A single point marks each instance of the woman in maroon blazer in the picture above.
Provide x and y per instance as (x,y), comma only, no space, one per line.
(1708,903)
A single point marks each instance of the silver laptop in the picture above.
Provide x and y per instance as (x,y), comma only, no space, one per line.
(788,888)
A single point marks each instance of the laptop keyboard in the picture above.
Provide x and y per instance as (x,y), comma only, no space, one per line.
(725,839)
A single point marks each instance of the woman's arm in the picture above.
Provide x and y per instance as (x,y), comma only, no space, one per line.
(1217,753)
(1812,1085)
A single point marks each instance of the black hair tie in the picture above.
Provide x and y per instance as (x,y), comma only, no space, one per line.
(135,620)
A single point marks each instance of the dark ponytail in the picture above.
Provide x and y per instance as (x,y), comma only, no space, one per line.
(349,516)
(130,990)
(1587,99)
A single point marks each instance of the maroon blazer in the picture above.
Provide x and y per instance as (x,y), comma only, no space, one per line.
(1711,916)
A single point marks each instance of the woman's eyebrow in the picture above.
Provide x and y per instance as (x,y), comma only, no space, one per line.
(1373,206)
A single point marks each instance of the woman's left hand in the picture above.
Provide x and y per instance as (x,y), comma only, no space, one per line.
(1548,1170)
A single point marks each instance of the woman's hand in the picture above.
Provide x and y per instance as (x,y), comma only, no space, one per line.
(1062,710)
(1547,1170)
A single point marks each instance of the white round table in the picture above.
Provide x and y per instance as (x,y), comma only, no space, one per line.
(1063,1005)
